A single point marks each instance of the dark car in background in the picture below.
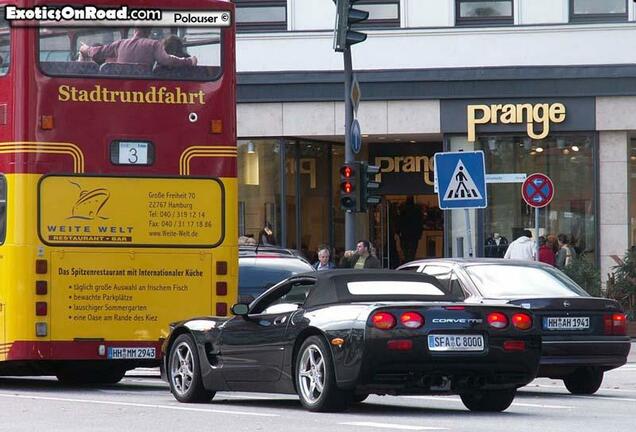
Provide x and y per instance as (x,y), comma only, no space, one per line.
(583,336)
(262,267)
(334,337)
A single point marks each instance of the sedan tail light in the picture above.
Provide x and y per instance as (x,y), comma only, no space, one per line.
(412,320)
(383,320)
(615,324)
(497,320)
(521,321)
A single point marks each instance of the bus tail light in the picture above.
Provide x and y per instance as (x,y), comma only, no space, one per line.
(521,321)
(216,126)
(615,324)
(221,267)
(221,309)
(47,122)
(383,320)
(41,308)
(497,320)
(221,288)
(412,320)
(41,329)
(41,287)
(41,266)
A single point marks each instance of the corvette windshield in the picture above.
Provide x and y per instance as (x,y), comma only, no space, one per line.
(510,281)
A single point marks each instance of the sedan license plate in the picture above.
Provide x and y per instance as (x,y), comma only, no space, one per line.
(449,342)
(131,353)
(566,323)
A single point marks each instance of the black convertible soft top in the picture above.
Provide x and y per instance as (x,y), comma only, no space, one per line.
(331,286)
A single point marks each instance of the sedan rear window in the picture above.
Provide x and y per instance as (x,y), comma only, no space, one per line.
(509,281)
(394,288)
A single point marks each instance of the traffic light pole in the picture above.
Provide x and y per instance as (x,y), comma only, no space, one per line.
(350,221)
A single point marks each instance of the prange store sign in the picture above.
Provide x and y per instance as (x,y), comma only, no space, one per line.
(405,168)
(535,118)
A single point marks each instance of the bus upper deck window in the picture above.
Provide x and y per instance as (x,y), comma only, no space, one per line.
(101,52)
(5,56)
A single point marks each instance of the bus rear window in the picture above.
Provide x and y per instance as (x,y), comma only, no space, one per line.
(111,55)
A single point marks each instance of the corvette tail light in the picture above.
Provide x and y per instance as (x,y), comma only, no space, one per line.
(400,344)
(497,320)
(521,321)
(412,320)
(615,324)
(514,345)
(383,320)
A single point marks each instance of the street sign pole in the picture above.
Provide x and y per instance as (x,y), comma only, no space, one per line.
(350,227)
(537,191)
(536,233)
(469,234)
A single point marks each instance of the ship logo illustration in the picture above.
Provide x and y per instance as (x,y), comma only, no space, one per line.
(90,203)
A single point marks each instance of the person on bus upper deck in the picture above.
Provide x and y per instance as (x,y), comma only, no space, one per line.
(174,46)
(139,49)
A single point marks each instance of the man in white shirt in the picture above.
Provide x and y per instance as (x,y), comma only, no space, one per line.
(522,248)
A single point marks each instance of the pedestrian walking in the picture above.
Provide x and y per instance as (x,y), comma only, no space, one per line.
(522,248)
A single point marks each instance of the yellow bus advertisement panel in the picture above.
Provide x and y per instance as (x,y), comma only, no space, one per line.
(131,211)
(118,295)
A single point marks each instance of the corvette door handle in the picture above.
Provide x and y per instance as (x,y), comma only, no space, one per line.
(280,320)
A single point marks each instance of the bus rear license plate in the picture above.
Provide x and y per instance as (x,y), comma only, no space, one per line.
(450,342)
(131,353)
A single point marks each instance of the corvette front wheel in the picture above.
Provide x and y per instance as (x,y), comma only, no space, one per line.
(184,372)
(316,380)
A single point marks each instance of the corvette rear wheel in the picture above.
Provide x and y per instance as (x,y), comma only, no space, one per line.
(584,381)
(316,380)
(488,400)
(184,372)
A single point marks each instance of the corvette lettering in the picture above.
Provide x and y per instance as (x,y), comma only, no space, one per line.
(457,320)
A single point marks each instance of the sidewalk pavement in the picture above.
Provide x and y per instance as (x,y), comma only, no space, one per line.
(631,358)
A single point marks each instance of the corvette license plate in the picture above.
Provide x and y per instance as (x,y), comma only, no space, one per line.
(131,353)
(449,342)
(566,323)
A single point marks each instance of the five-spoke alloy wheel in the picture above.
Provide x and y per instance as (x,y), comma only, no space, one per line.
(315,378)
(184,372)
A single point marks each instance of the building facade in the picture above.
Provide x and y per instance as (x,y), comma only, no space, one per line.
(538,85)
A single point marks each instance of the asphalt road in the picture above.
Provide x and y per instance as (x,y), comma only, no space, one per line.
(141,402)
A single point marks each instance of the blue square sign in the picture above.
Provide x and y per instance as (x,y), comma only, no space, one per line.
(461,180)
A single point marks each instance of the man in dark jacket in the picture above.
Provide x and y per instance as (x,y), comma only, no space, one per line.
(361,259)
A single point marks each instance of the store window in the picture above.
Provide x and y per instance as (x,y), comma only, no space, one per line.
(598,10)
(312,172)
(261,15)
(483,12)
(382,13)
(632,191)
(567,159)
(5,39)
(259,187)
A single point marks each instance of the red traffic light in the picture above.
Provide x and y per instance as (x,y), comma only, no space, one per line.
(346,187)
(346,171)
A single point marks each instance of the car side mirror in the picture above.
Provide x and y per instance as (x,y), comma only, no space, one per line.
(240,309)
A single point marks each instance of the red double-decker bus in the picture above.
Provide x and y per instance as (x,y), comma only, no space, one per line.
(118,186)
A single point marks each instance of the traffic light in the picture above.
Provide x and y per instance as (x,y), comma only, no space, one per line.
(345,16)
(368,186)
(348,187)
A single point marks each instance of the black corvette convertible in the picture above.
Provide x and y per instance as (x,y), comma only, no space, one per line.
(335,337)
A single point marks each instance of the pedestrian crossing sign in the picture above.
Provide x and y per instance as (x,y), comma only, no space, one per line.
(461,180)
